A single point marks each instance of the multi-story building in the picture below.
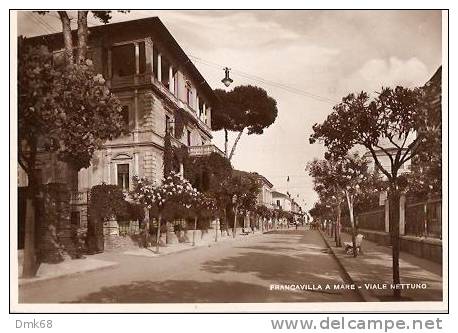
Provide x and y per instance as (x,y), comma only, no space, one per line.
(265,194)
(281,201)
(154,79)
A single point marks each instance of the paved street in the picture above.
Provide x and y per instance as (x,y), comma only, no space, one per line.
(240,271)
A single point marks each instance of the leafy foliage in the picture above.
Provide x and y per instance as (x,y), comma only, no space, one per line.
(107,201)
(68,110)
(168,155)
(207,172)
(244,107)
(263,212)
(243,187)
(357,120)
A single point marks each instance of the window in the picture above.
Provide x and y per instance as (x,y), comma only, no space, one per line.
(123,176)
(142,57)
(278,203)
(188,93)
(155,53)
(200,106)
(75,219)
(167,123)
(175,82)
(165,78)
(125,115)
(189,137)
(123,60)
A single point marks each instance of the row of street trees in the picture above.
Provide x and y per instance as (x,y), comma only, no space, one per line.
(409,122)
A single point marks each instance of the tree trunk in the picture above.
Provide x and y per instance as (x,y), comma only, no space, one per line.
(226,139)
(82,35)
(235,144)
(393,198)
(338,238)
(194,233)
(235,222)
(147,227)
(67,33)
(226,224)
(29,267)
(31,264)
(352,222)
(158,234)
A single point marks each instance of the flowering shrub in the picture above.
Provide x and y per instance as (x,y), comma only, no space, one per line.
(173,190)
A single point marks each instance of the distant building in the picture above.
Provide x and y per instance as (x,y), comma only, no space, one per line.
(265,195)
(281,201)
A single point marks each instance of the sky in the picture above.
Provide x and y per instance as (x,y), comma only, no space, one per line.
(320,56)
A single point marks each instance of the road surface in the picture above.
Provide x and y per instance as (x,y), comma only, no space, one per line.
(248,270)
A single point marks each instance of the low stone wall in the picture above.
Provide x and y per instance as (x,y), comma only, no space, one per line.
(427,248)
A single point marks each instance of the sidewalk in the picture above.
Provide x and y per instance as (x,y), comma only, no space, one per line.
(66,268)
(371,272)
(180,247)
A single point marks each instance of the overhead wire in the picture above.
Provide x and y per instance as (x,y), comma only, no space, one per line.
(265,81)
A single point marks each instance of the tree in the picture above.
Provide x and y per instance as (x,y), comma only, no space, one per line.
(207,175)
(203,205)
(174,192)
(347,174)
(168,154)
(106,201)
(244,107)
(329,186)
(264,213)
(239,191)
(103,16)
(320,212)
(396,116)
(67,111)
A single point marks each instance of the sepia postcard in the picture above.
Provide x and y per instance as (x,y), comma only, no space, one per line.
(220,161)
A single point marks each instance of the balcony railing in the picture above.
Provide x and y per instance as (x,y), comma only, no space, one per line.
(204,150)
(79,198)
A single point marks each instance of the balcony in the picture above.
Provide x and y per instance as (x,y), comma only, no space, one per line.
(79,198)
(137,80)
(204,150)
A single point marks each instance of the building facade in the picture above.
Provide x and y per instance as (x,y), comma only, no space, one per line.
(265,195)
(154,79)
(281,201)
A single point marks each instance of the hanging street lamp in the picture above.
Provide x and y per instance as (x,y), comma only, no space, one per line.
(227,80)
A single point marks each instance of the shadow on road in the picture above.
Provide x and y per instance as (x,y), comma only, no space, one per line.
(184,291)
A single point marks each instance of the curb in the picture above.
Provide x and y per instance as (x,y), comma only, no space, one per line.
(190,248)
(364,294)
(27,282)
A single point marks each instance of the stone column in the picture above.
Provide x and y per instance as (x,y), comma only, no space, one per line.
(110,74)
(136,162)
(137,58)
(387,216)
(159,67)
(171,83)
(108,167)
(402,214)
